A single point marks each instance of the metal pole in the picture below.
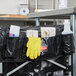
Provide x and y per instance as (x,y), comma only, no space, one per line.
(53,62)
(16,69)
(29,5)
(54,22)
(37,20)
(1,68)
(73,24)
(36,4)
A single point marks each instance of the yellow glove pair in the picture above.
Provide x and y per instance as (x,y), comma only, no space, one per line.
(34,47)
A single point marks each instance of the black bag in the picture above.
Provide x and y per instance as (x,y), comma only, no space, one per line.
(12,47)
(68,44)
(3,35)
(16,47)
(54,46)
(22,45)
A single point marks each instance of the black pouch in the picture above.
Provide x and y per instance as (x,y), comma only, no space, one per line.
(3,35)
(68,44)
(54,46)
(22,45)
(12,47)
(16,47)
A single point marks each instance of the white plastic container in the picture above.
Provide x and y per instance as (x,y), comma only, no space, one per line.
(67,29)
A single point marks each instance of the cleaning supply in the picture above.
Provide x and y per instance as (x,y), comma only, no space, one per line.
(34,47)
(67,39)
(67,27)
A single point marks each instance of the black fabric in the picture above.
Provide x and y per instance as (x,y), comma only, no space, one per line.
(16,47)
(22,45)
(57,45)
(11,47)
(3,35)
(54,46)
(68,44)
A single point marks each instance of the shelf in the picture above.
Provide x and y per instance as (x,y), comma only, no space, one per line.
(23,19)
(54,14)
(8,17)
(19,18)
(12,16)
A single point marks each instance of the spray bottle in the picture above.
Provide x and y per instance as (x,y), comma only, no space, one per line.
(67,39)
(67,29)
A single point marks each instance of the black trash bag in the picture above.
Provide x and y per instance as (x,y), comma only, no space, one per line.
(54,46)
(16,47)
(3,35)
(12,47)
(68,44)
(22,45)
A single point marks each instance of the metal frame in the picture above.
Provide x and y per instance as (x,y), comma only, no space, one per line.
(51,61)
(54,14)
(67,13)
(73,21)
(73,24)
(25,63)
(59,65)
(37,21)
(70,58)
(16,69)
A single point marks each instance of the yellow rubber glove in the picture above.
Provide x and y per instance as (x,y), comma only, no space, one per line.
(34,47)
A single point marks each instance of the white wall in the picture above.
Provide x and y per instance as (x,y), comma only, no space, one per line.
(42,4)
(71,3)
(10,6)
